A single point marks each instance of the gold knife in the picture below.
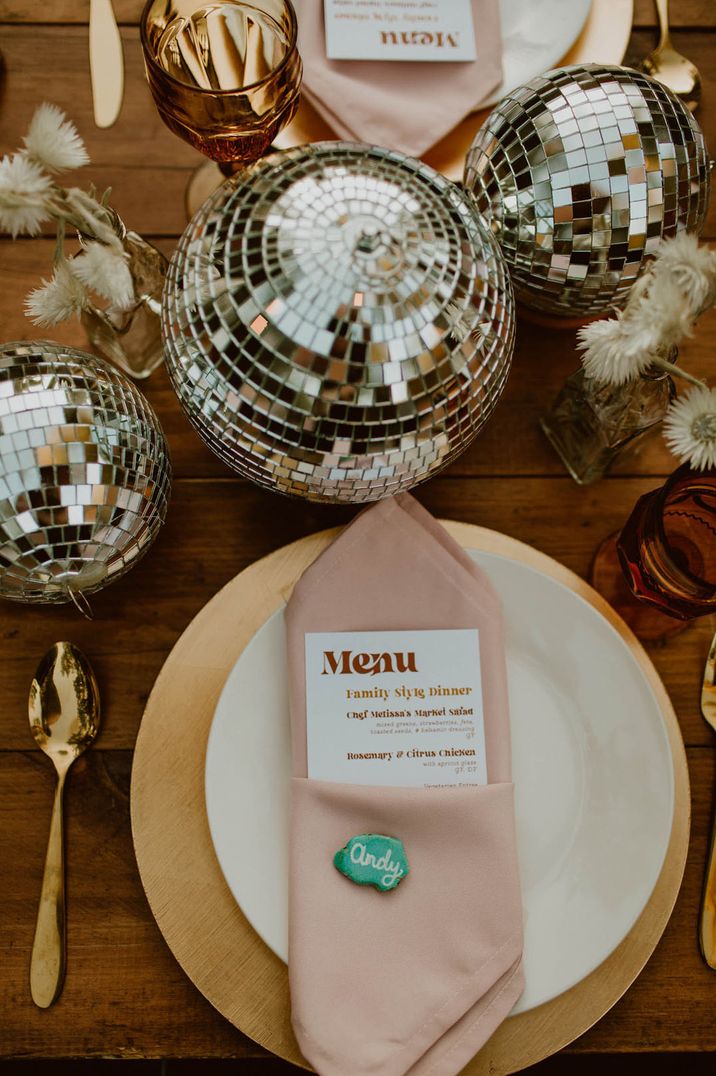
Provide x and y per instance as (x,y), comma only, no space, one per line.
(106,63)
(707,933)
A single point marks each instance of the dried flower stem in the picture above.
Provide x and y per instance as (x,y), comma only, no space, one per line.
(29,197)
(676,371)
(80,211)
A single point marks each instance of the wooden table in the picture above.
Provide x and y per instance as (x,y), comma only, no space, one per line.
(125,997)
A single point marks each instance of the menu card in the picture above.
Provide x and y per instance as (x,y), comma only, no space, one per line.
(397,708)
(438,30)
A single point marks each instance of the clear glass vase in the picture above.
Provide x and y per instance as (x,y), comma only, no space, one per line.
(591,423)
(131,337)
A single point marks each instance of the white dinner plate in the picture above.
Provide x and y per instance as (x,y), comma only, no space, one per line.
(592,767)
(536,34)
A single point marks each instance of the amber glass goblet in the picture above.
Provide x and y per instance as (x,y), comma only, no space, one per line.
(224,76)
(660,571)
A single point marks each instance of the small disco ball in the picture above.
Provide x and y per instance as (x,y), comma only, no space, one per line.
(338,323)
(580,173)
(84,473)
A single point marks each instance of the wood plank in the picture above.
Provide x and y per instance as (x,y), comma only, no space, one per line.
(217,528)
(93,1068)
(50,63)
(144,163)
(127,12)
(143,1006)
(562,1064)
(685,13)
(115,949)
(511,443)
(159,211)
(139,158)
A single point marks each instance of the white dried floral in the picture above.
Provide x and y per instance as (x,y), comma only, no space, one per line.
(690,427)
(24,192)
(53,142)
(692,266)
(663,317)
(611,354)
(105,270)
(57,299)
(662,309)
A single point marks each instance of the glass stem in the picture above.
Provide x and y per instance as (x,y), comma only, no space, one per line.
(230,168)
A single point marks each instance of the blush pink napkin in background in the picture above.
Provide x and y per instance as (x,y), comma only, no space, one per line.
(417,979)
(402,105)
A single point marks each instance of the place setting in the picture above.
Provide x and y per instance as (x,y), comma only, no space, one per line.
(408,796)
(226,790)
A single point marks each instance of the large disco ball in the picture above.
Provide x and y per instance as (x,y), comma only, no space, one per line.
(84,473)
(338,322)
(580,173)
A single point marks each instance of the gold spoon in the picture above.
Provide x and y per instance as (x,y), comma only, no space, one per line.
(64,720)
(669,67)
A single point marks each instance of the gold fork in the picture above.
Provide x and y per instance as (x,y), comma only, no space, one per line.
(707,933)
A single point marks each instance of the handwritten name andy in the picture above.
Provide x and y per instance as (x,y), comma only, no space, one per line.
(363,858)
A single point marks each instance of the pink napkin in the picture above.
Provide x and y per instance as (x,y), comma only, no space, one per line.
(417,979)
(402,105)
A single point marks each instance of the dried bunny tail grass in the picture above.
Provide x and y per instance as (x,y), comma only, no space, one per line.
(24,194)
(662,309)
(106,271)
(612,354)
(57,299)
(663,316)
(53,142)
(692,266)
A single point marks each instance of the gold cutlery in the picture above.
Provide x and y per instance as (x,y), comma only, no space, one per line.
(106,63)
(669,67)
(707,933)
(64,720)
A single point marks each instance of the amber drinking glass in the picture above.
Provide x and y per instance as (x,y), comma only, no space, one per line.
(667,547)
(666,553)
(225,77)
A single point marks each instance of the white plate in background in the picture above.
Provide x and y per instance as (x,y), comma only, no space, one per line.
(536,35)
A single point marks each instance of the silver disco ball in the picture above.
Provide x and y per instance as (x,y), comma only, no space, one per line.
(84,473)
(580,173)
(338,323)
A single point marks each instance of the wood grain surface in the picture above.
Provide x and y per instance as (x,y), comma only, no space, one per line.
(125,995)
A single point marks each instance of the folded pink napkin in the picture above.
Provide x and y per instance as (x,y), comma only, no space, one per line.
(402,105)
(417,979)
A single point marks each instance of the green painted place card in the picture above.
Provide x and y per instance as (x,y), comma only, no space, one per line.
(373,859)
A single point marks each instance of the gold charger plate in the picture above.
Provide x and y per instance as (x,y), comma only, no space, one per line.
(199,918)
